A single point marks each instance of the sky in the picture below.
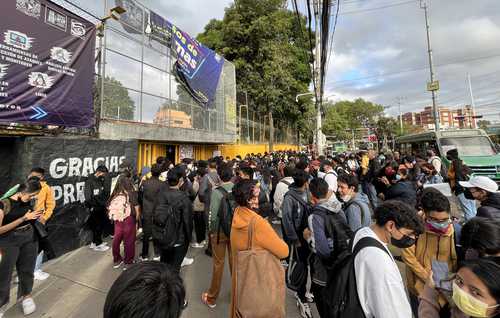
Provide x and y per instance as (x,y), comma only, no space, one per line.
(380,50)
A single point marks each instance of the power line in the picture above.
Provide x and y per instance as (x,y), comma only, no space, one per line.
(414,69)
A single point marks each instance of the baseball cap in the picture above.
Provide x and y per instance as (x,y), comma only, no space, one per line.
(480,182)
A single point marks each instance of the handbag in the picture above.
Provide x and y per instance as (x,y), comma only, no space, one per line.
(260,282)
(40,230)
(296,273)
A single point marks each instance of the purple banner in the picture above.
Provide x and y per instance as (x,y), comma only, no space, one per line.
(46,65)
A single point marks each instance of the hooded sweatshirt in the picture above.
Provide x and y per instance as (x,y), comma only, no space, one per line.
(430,246)
(264,237)
(490,208)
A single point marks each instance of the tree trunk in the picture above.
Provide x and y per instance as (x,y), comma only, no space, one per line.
(271,131)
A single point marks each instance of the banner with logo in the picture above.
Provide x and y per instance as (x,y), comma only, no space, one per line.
(197,67)
(46,65)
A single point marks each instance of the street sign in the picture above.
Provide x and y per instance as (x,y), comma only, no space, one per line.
(433,86)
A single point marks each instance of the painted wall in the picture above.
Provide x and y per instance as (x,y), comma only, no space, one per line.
(232,151)
(67,163)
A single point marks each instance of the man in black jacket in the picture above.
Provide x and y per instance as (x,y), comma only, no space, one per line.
(149,193)
(485,191)
(97,191)
(171,195)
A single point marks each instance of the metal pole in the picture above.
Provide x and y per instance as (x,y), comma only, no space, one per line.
(317,75)
(423,5)
(472,120)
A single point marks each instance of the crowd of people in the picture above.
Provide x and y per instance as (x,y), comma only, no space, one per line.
(330,228)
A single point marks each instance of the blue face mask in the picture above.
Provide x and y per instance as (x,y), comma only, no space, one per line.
(398,177)
(439,226)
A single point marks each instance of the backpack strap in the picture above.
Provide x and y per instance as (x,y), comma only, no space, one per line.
(366,242)
(285,182)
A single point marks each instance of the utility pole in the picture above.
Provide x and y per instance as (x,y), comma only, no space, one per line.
(399,100)
(317,76)
(472,118)
(431,87)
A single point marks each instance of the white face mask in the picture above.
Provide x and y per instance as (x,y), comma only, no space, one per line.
(190,166)
(171,166)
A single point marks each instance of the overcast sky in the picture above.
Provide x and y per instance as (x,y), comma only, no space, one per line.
(381,53)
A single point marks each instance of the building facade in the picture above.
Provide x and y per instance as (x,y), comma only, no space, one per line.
(449,118)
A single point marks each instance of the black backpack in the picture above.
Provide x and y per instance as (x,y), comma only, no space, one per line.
(166,225)
(226,212)
(307,208)
(340,295)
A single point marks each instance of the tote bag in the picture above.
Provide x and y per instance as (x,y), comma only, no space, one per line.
(260,279)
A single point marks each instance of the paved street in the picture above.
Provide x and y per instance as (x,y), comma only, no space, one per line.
(80,280)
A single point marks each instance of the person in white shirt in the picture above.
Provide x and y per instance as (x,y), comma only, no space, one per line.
(282,189)
(329,175)
(379,283)
(434,160)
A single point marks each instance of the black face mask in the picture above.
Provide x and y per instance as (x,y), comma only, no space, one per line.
(403,242)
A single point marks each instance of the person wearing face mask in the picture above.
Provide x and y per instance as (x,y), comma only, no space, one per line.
(97,192)
(400,188)
(480,237)
(475,292)
(18,247)
(484,190)
(380,287)
(356,204)
(436,244)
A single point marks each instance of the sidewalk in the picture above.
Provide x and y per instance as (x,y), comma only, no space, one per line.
(80,280)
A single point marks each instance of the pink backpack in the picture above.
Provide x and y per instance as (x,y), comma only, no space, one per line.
(119,208)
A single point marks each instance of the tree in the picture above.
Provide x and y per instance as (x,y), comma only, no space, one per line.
(386,128)
(345,117)
(117,102)
(483,124)
(270,51)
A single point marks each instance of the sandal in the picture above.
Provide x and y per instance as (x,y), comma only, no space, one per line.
(204,299)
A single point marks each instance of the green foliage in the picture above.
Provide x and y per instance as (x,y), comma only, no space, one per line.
(116,100)
(344,116)
(270,53)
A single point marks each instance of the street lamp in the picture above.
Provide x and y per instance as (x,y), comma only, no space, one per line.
(114,14)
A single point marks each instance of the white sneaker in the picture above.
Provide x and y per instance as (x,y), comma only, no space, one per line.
(101,248)
(40,275)
(187,261)
(92,246)
(156,259)
(117,265)
(16,280)
(305,310)
(29,306)
(197,245)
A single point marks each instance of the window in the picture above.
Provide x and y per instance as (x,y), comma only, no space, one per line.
(124,70)
(155,82)
(469,146)
(155,110)
(123,45)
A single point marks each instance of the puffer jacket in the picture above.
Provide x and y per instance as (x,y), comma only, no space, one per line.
(430,246)
(490,208)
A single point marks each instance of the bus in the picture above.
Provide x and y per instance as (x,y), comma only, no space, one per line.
(474,148)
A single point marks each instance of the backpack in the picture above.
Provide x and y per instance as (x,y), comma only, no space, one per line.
(166,224)
(341,297)
(119,208)
(305,215)
(226,212)
(363,214)
(204,197)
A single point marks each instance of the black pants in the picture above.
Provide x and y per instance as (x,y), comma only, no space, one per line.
(303,254)
(19,250)
(174,256)
(317,291)
(97,222)
(200,226)
(147,233)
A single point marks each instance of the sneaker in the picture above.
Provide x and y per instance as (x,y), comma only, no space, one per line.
(16,280)
(305,310)
(276,222)
(187,261)
(117,264)
(284,263)
(156,258)
(309,297)
(40,275)
(197,245)
(142,259)
(29,306)
(92,246)
(101,248)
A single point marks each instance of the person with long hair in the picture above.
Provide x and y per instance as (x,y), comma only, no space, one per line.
(475,292)
(19,248)
(124,211)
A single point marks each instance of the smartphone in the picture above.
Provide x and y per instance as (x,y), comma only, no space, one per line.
(440,275)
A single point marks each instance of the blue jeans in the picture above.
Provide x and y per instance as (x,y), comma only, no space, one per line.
(468,207)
